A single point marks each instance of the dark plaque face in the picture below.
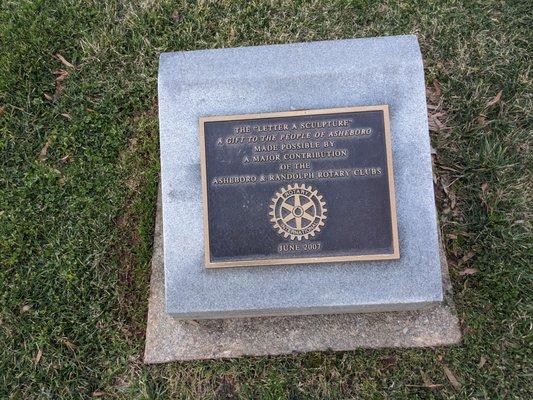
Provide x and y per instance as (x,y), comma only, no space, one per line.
(298,187)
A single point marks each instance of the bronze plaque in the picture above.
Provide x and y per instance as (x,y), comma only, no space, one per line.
(294,187)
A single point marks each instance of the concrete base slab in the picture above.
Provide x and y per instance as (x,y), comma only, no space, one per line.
(169,339)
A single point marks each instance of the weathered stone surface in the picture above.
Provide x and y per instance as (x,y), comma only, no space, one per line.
(282,78)
(171,339)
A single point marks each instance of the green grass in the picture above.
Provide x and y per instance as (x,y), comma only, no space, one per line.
(78,185)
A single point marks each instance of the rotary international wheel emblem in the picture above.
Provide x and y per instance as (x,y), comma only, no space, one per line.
(297,211)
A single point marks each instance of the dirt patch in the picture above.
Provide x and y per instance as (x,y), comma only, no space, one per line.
(135,223)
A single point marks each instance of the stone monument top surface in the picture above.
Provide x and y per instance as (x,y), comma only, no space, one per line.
(362,206)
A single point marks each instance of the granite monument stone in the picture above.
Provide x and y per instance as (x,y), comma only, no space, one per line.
(304,167)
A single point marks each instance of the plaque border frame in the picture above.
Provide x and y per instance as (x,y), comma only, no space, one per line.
(300,260)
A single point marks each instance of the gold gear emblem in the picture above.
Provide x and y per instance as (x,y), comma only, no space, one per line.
(297,211)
